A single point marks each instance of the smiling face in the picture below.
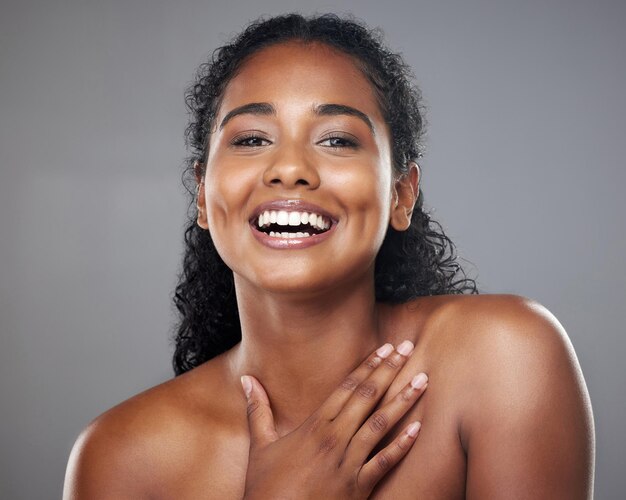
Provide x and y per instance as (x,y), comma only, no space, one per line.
(299,188)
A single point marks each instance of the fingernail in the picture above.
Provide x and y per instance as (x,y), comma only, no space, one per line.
(413,429)
(405,348)
(419,381)
(246,383)
(385,350)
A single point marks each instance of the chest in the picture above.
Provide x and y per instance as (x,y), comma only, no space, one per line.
(435,468)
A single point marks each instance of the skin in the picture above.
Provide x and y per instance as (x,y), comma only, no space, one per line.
(506,413)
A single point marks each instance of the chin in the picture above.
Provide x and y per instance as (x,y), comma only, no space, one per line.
(307,282)
(295,283)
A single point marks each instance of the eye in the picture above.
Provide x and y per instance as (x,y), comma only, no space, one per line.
(250,140)
(338,141)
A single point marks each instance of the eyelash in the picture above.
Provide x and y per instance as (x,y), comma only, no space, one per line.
(347,142)
(240,140)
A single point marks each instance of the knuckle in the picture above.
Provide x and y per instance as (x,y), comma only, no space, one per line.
(402,445)
(407,395)
(372,363)
(253,407)
(383,461)
(367,390)
(394,362)
(349,383)
(327,444)
(378,422)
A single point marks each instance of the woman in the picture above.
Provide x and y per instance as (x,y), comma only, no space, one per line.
(309,253)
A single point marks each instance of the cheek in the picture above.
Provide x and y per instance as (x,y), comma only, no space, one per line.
(227,188)
(221,197)
(366,200)
(227,193)
(366,189)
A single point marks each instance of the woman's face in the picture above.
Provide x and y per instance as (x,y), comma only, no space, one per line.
(299,147)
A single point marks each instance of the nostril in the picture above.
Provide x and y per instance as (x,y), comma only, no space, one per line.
(301,182)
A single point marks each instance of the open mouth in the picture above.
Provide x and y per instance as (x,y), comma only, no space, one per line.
(291,224)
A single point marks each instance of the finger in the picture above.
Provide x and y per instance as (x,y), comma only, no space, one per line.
(370,391)
(387,458)
(260,417)
(382,420)
(337,400)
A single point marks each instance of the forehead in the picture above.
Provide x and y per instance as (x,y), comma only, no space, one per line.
(308,73)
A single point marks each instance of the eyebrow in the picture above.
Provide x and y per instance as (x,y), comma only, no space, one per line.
(267,109)
(342,109)
(253,108)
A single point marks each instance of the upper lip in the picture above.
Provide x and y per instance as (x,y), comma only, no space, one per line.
(293,205)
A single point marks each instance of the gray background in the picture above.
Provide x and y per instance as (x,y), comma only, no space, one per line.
(525,165)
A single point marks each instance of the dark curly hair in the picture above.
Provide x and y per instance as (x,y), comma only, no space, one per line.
(416,262)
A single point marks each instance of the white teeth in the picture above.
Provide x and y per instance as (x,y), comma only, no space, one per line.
(282,218)
(289,235)
(294,218)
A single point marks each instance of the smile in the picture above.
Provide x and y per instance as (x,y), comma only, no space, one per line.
(284,224)
(291,224)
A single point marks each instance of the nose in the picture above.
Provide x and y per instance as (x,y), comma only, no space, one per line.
(291,167)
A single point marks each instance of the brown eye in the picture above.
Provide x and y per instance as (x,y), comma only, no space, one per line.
(250,141)
(338,142)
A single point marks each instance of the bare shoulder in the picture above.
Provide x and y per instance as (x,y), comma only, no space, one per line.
(128,450)
(504,342)
(525,414)
(492,338)
(490,326)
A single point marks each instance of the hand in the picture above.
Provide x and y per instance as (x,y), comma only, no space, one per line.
(326,457)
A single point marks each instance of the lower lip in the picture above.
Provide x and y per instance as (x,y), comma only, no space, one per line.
(290,243)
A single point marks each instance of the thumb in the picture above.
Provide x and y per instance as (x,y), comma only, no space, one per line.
(260,417)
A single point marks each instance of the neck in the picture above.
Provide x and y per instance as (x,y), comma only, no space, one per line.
(301,348)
